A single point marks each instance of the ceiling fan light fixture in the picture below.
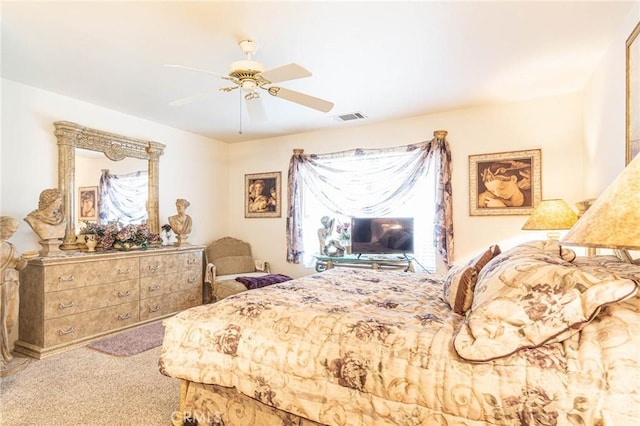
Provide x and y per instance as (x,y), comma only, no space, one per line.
(249,85)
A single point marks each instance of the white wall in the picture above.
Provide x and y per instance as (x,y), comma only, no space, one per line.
(192,167)
(553,124)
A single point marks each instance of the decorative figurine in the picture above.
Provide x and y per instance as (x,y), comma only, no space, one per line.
(10,265)
(48,221)
(329,247)
(181,223)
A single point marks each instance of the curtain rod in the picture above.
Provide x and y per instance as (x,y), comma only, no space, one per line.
(438,134)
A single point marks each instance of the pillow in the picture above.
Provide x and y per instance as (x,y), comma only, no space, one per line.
(528,297)
(458,288)
(567,254)
(461,280)
(234,265)
(547,250)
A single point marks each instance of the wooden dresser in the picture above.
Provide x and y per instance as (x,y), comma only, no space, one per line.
(70,300)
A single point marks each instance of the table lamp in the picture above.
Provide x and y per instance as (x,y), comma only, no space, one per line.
(552,216)
(613,221)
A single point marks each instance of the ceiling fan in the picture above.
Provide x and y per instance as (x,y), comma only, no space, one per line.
(249,76)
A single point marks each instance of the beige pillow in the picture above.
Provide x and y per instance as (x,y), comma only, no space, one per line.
(458,288)
(461,280)
(234,265)
(530,297)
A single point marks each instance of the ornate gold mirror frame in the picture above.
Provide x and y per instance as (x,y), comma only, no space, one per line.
(115,147)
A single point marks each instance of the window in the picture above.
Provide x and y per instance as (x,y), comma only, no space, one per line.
(420,205)
(371,183)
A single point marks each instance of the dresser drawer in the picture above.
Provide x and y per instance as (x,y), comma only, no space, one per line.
(73,327)
(151,266)
(82,274)
(69,302)
(160,305)
(66,300)
(170,283)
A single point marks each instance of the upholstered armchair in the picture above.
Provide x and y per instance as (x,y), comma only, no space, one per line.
(227,259)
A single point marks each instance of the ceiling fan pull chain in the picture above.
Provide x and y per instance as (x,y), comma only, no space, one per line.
(240,112)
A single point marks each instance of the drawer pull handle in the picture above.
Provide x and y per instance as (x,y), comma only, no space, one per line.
(72,329)
(191,280)
(65,306)
(154,288)
(125,317)
(192,261)
(156,309)
(70,278)
(154,267)
(124,272)
(124,293)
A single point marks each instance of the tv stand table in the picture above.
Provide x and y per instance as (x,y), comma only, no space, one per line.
(324,262)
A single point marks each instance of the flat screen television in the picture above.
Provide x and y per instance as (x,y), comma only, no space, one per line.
(381,235)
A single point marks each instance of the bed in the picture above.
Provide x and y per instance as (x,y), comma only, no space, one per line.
(530,336)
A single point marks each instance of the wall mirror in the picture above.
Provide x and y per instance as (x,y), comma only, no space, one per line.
(75,140)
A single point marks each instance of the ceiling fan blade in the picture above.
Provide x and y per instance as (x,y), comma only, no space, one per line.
(183,101)
(198,70)
(284,73)
(255,108)
(301,98)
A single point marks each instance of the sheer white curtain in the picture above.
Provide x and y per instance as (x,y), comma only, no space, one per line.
(375,182)
(123,197)
(419,204)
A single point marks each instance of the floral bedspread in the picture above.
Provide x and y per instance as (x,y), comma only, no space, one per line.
(365,347)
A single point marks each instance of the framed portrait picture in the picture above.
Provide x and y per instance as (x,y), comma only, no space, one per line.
(88,203)
(262,196)
(505,183)
(633,94)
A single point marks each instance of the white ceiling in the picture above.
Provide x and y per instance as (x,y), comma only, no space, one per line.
(384,59)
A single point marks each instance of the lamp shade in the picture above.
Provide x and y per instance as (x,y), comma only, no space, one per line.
(551,215)
(613,221)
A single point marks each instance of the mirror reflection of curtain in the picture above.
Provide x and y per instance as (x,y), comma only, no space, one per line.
(123,197)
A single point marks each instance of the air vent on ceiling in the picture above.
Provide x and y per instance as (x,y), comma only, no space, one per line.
(351,117)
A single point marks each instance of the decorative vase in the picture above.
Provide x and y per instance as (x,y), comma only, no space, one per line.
(80,241)
(90,241)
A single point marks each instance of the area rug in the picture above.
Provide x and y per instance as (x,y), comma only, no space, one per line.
(132,342)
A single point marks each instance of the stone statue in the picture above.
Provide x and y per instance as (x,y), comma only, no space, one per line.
(324,233)
(328,247)
(48,220)
(10,263)
(181,223)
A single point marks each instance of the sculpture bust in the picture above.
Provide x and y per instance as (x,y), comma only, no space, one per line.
(48,220)
(181,222)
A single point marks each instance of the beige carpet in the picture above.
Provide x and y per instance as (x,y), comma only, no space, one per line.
(86,387)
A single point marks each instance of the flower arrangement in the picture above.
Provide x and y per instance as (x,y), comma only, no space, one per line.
(344,232)
(123,238)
